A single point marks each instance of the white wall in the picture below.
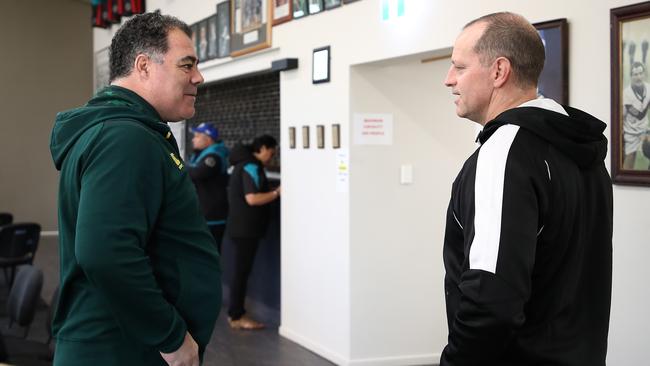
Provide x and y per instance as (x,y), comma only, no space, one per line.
(397,230)
(46,67)
(329,301)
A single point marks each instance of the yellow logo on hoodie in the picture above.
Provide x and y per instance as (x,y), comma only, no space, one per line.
(177,161)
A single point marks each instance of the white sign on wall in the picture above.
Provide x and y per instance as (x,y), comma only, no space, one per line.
(342,170)
(373,129)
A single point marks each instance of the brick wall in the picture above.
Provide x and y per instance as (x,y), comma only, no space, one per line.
(242,108)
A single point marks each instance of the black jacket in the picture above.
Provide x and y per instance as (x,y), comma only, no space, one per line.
(208,170)
(248,176)
(528,244)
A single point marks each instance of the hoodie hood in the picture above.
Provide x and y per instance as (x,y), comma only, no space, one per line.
(241,153)
(579,135)
(110,103)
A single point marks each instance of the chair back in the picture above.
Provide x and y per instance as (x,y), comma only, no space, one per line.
(19,240)
(6,218)
(24,295)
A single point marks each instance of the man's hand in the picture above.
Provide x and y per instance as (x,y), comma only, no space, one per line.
(186,355)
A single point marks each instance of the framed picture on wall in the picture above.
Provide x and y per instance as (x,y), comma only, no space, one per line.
(630,128)
(250,26)
(336,136)
(223,29)
(292,137)
(300,8)
(315,6)
(305,137)
(554,80)
(202,40)
(320,65)
(213,40)
(195,38)
(282,11)
(320,136)
(330,4)
(102,68)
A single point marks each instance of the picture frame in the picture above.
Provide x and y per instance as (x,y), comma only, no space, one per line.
(554,79)
(223,29)
(320,136)
(282,11)
(195,30)
(213,39)
(331,4)
(305,137)
(202,40)
(300,8)
(630,122)
(349,1)
(315,6)
(336,136)
(292,137)
(320,66)
(102,68)
(250,26)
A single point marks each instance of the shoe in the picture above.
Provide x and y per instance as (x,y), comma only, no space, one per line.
(245,323)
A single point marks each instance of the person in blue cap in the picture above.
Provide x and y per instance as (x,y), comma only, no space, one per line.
(208,168)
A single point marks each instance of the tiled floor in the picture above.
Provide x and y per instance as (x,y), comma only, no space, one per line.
(227,347)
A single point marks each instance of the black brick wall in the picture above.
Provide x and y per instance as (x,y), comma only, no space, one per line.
(242,108)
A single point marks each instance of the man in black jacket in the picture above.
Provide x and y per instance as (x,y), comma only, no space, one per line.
(208,168)
(249,195)
(528,243)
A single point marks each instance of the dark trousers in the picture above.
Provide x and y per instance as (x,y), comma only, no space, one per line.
(217,233)
(244,250)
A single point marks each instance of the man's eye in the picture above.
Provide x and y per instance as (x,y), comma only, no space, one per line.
(187,66)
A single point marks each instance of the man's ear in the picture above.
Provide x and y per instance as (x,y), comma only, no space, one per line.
(142,65)
(501,71)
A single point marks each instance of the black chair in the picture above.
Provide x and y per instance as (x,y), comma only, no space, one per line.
(6,218)
(18,244)
(24,296)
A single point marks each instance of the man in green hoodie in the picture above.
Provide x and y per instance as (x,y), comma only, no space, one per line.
(140,276)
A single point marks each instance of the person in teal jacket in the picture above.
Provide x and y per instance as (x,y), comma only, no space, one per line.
(208,168)
(140,273)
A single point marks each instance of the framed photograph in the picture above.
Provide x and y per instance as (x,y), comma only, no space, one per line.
(320,66)
(300,8)
(282,11)
(213,40)
(630,39)
(336,136)
(250,28)
(195,36)
(349,1)
(102,68)
(305,137)
(554,80)
(223,29)
(292,137)
(320,136)
(330,4)
(202,40)
(315,6)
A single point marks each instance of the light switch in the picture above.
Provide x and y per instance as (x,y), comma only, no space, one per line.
(406,174)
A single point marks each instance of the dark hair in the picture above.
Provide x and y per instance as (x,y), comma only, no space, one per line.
(636,64)
(144,33)
(265,140)
(511,36)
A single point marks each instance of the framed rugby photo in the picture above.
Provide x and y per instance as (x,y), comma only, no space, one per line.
(630,95)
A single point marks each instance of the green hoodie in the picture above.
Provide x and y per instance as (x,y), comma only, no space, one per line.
(139,267)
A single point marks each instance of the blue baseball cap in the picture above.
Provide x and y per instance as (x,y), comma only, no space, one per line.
(207,128)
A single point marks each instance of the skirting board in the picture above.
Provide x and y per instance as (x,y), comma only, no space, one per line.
(426,359)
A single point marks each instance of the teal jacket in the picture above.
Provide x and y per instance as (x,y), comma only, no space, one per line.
(138,265)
